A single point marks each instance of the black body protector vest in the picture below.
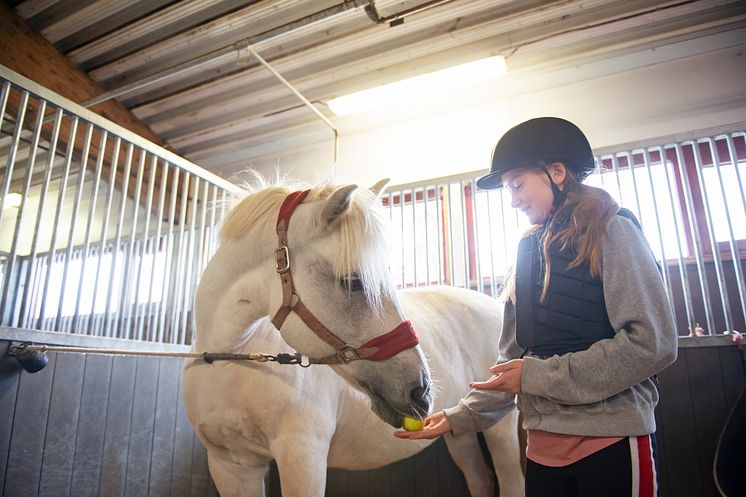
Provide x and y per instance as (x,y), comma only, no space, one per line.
(573,315)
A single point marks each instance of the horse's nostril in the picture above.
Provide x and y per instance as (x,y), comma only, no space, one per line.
(420,398)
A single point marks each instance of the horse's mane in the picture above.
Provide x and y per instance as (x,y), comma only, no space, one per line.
(364,249)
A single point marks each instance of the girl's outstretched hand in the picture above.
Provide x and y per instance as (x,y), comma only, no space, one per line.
(507,378)
(435,426)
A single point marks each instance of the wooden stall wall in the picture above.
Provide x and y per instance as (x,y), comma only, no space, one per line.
(697,393)
(115,426)
(90,426)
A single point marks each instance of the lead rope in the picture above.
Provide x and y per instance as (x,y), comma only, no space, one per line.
(32,356)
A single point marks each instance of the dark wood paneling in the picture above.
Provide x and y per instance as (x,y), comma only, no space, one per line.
(141,428)
(10,374)
(97,426)
(402,479)
(679,474)
(426,475)
(29,433)
(164,430)
(90,426)
(181,469)
(697,393)
(118,417)
(89,442)
(710,410)
(62,424)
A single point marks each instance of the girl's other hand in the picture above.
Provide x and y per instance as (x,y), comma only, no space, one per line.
(507,378)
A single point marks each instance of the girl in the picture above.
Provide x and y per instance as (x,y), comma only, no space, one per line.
(587,325)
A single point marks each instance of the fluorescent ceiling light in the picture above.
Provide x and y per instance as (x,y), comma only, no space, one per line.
(420,86)
(12,200)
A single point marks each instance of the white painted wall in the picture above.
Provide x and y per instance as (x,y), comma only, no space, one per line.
(666,92)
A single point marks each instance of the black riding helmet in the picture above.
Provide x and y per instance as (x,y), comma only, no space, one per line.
(537,143)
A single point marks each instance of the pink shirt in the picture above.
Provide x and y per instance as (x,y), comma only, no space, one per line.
(555,449)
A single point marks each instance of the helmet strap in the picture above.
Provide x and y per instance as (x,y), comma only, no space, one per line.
(559,195)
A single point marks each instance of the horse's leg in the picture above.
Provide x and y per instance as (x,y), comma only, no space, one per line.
(467,454)
(301,464)
(502,440)
(236,480)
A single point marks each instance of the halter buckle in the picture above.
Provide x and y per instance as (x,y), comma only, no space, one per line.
(347,354)
(282,255)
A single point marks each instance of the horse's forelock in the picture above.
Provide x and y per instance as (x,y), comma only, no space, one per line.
(364,248)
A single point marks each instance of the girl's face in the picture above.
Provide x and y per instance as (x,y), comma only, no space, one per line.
(531,191)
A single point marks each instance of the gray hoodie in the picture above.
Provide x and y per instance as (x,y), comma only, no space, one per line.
(606,390)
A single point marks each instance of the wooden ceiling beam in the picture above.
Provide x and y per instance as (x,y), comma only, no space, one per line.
(30,54)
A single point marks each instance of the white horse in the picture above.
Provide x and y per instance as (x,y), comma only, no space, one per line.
(343,415)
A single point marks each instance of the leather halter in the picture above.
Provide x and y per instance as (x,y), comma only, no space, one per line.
(377,349)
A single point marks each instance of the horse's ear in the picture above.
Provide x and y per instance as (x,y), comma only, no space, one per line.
(337,204)
(379,187)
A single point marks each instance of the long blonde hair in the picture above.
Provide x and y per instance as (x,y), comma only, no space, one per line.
(578,224)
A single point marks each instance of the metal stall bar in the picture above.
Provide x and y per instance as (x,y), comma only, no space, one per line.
(615,169)
(89,224)
(475,217)
(162,308)
(26,312)
(449,234)
(631,166)
(189,249)
(143,251)
(493,276)
(58,211)
(401,214)
(8,273)
(111,329)
(439,228)
(711,232)
(734,249)
(426,203)
(696,240)
(10,163)
(390,209)
(464,234)
(41,274)
(180,260)
(4,99)
(503,223)
(152,308)
(123,328)
(414,236)
(95,328)
(683,272)
(664,263)
(12,257)
(74,220)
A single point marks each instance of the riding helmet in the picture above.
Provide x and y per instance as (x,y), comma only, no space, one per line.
(536,143)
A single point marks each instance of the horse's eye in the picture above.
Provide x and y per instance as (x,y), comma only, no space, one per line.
(352,283)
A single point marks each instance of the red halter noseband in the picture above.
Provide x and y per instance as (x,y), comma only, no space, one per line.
(377,349)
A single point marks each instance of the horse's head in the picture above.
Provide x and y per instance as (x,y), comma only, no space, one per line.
(337,260)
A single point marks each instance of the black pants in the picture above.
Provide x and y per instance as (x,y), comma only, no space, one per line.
(624,469)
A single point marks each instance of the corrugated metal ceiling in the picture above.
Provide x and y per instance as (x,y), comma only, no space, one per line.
(229,111)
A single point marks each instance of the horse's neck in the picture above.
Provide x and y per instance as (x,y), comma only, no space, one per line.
(231,297)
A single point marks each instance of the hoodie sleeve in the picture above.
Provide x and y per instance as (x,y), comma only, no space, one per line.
(640,313)
(480,409)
